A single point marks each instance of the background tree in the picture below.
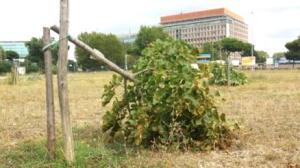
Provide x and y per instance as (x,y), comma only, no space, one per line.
(293,50)
(109,45)
(11,55)
(278,55)
(5,66)
(247,50)
(223,47)
(36,54)
(148,35)
(2,54)
(261,56)
(132,55)
(212,48)
(230,45)
(131,49)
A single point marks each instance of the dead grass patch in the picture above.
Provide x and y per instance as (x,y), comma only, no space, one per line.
(268,109)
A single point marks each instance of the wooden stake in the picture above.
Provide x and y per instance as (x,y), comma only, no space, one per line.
(98,56)
(49,97)
(63,83)
(228,71)
(14,74)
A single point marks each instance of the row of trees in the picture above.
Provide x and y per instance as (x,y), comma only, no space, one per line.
(148,34)
(221,48)
(34,62)
(293,52)
(218,50)
(114,49)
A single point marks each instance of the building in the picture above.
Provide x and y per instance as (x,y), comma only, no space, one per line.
(200,27)
(17,46)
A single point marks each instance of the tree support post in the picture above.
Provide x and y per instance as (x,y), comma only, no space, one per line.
(63,83)
(228,71)
(49,96)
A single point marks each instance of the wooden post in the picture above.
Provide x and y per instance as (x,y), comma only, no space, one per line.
(63,83)
(14,74)
(98,56)
(49,96)
(228,71)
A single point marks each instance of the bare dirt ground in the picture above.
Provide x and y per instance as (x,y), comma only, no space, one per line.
(267,108)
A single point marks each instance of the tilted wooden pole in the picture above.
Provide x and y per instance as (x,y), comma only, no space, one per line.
(49,96)
(63,83)
(97,55)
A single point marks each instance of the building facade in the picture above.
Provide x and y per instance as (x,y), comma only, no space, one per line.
(197,28)
(17,46)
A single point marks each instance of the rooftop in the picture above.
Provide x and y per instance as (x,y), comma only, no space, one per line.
(200,14)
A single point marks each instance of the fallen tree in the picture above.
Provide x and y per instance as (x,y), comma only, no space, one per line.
(97,55)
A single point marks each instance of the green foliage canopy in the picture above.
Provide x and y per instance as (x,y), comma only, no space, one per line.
(147,35)
(261,56)
(293,49)
(226,46)
(5,67)
(36,54)
(108,44)
(232,45)
(11,55)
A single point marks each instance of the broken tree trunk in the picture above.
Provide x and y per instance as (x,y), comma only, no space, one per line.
(97,55)
(49,96)
(63,83)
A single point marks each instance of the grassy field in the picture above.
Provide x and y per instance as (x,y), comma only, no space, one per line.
(268,110)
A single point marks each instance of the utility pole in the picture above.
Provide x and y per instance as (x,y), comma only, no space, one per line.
(63,83)
(49,96)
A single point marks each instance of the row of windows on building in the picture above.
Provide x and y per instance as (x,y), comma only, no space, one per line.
(241,25)
(203,39)
(200,28)
(198,34)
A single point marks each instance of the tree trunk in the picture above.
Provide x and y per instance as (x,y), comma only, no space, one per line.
(49,97)
(293,63)
(63,83)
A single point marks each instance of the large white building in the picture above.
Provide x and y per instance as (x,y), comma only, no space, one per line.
(200,27)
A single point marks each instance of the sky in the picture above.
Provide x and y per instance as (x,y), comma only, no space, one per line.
(272,23)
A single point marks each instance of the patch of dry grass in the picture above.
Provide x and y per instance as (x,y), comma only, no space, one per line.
(268,109)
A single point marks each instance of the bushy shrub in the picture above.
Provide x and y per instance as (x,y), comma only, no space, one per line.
(219,74)
(170,104)
(5,67)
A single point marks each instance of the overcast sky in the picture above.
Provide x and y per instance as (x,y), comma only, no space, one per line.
(272,24)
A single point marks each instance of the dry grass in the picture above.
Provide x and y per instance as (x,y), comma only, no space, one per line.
(268,109)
